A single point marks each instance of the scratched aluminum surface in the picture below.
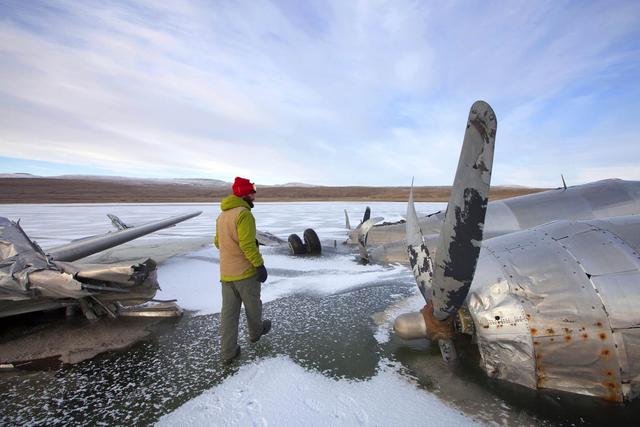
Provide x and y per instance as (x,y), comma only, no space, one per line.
(600,199)
(502,330)
(556,307)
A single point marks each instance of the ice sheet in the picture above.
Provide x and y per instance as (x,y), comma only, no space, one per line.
(54,225)
(279,392)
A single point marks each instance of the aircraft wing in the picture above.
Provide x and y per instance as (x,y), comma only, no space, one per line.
(91,245)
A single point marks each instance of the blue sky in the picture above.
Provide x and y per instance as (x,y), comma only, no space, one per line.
(328,92)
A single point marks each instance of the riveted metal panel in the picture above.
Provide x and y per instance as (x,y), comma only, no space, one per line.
(579,365)
(558,230)
(552,285)
(629,341)
(524,238)
(626,228)
(620,294)
(502,329)
(539,285)
(600,252)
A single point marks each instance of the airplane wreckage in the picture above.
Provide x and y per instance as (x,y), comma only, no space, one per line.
(33,280)
(548,287)
(547,284)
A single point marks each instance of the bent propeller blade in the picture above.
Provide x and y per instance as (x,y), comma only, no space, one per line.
(419,257)
(461,235)
(362,233)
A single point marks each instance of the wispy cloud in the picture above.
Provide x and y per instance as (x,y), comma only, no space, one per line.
(331,93)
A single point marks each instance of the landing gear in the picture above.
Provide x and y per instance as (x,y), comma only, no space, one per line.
(296,246)
(312,242)
(310,246)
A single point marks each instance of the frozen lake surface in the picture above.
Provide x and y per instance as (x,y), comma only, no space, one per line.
(331,358)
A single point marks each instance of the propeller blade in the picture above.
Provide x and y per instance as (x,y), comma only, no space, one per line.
(461,235)
(367,214)
(419,257)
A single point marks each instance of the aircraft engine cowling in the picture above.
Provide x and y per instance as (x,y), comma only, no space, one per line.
(555,307)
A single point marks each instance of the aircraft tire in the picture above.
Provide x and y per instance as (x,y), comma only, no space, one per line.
(312,242)
(296,246)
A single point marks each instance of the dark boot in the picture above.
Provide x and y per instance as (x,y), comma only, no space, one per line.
(266,327)
(232,358)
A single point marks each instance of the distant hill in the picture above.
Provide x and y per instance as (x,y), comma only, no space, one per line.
(17,175)
(24,188)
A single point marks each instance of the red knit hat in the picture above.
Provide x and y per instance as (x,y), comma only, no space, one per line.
(243,187)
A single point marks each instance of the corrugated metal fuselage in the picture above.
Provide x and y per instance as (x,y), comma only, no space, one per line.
(556,307)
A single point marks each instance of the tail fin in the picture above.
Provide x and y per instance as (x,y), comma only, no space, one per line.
(347,224)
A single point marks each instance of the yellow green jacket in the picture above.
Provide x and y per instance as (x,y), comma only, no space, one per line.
(236,239)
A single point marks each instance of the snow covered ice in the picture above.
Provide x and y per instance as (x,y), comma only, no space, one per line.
(279,392)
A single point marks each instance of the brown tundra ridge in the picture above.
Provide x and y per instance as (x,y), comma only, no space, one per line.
(86,190)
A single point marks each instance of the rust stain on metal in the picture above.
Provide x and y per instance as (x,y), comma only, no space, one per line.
(534,331)
(605,352)
(536,343)
(567,338)
(550,331)
(599,324)
(585,336)
(602,336)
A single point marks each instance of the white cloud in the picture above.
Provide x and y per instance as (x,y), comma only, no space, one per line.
(343,93)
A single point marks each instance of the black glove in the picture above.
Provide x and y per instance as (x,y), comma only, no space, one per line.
(262,273)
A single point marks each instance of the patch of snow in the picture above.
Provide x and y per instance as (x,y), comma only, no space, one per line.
(279,392)
(194,280)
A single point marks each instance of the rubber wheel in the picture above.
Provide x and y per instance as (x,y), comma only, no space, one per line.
(296,246)
(312,242)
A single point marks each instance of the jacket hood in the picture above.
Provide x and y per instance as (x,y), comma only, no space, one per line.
(233,201)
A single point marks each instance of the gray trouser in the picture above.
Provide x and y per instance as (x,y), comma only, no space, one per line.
(234,294)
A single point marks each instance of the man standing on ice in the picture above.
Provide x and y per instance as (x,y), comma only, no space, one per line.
(242,268)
